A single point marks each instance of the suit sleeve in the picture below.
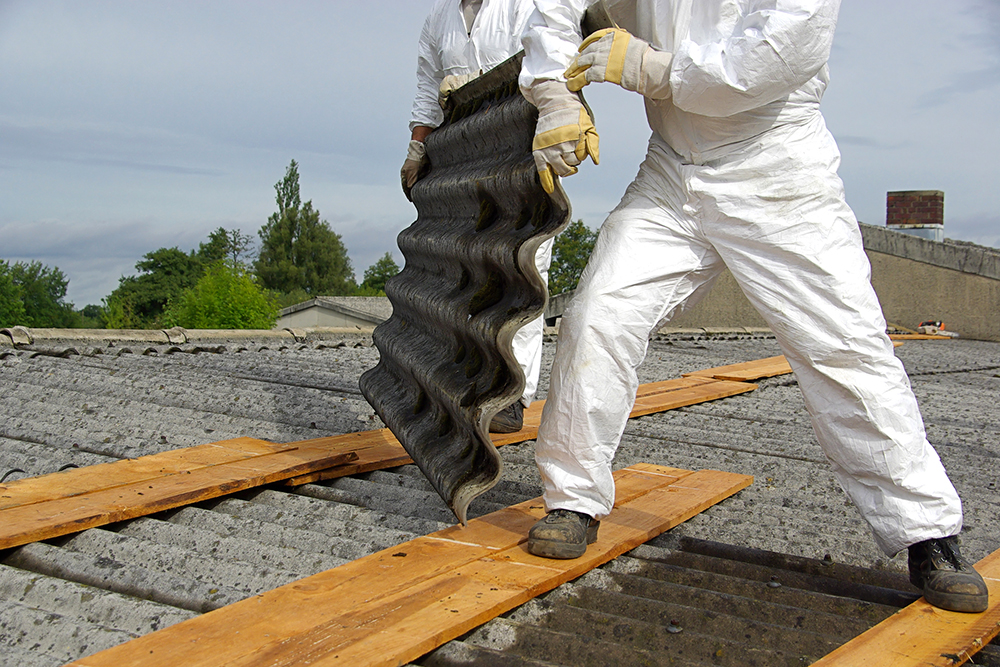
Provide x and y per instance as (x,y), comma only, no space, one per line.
(550,40)
(775,48)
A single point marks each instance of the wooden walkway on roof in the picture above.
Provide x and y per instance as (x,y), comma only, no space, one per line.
(38,508)
(924,636)
(396,605)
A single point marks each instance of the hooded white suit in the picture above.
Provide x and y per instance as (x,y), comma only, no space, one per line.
(741,172)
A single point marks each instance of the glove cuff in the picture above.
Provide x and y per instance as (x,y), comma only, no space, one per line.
(416,150)
(549,96)
(654,80)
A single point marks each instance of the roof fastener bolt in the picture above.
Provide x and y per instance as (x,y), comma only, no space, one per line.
(774,583)
(674,627)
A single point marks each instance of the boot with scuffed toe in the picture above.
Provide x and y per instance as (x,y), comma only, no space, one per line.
(562,534)
(948,582)
(508,420)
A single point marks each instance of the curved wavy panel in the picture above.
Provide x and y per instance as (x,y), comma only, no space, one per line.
(469,282)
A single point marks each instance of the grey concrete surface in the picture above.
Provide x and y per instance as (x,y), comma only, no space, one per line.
(68,597)
(916,280)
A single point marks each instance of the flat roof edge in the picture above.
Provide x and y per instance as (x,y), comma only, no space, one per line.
(964,257)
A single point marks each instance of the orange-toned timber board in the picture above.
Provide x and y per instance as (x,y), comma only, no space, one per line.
(39,508)
(61,503)
(396,605)
(652,397)
(924,636)
(746,371)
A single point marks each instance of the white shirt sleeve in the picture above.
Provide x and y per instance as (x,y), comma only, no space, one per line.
(426,110)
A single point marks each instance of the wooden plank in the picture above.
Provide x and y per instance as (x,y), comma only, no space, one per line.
(76,481)
(380,449)
(925,636)
(699,390)
(393,606)
(916,336)
(746,371)
(385,573)
(63,515)
(82,498)
(376,450)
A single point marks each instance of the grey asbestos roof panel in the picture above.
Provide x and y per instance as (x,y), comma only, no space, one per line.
(68,597)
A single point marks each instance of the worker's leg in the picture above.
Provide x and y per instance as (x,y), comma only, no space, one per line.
(794,246)
(646,262)
(527,341)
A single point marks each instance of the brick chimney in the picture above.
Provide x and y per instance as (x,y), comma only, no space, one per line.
(917,212)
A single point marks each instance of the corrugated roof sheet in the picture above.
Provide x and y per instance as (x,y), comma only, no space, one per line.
(72,596)
(469,282)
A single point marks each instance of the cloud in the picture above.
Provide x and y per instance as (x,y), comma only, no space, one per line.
(983,229)
(964,83)
(871,142)
(980,43)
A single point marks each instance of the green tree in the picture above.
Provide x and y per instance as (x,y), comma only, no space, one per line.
(91,317)
(376,276)
(300,251)
(119,312)
(226,297)
(229,244)
(43,294)
(11,299)
(570,253)
(139,301)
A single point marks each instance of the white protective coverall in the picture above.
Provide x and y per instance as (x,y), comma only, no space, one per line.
(741,172)
(447,48)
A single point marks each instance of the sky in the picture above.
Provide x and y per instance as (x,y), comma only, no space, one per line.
(131,126)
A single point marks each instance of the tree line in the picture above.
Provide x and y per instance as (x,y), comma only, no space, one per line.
(229,282)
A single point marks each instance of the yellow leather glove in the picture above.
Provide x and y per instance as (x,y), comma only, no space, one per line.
(564,135)
(451,83)
(616,56)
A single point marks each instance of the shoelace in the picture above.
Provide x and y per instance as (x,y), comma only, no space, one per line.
(944,550)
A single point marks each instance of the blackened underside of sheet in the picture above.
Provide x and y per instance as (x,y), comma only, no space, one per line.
(469,282)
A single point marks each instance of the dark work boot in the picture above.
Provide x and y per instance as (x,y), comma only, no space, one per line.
(562,534)
(948,582)
(508,420)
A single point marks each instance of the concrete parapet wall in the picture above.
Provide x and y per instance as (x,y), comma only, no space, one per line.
(916,280)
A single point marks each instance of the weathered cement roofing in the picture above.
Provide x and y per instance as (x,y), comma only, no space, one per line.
(88,400)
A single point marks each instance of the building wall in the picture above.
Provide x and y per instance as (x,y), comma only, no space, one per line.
(912,292)
(320,317)
(915,279)
(723,307)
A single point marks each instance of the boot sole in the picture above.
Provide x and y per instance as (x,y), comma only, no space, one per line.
(562,550)
(970,604)
(505,427)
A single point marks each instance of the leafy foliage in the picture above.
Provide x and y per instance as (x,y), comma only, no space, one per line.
(118,312)
(300,251)
(570,253)
(226,297)
(41,291)
(139,301)
(11,298)
(376,276)
(228,244)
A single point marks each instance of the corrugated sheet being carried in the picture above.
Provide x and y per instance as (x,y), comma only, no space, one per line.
(469,283)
